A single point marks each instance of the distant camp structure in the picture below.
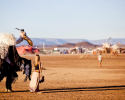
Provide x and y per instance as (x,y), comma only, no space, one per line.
(22,50)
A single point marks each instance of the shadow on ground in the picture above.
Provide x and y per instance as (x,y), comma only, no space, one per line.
(102,88)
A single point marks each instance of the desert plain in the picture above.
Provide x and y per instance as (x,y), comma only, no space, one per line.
(73,77)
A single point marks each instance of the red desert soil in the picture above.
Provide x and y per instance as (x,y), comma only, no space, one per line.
(73,77)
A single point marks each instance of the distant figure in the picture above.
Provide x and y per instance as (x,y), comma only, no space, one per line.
(100,59)
(37,74)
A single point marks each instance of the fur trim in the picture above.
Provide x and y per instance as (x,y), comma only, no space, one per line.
(7,39)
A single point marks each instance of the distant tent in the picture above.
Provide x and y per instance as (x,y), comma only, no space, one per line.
(36,51)
(106,45)
(27,49)
(21,50)
(115,46)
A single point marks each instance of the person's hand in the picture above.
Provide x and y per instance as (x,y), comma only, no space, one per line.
(22,34)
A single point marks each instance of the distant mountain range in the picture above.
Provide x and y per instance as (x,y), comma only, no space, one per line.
(110,41)
(52,41)
(80,44)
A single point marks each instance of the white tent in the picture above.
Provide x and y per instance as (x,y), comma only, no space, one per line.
(106,45)
(115,47)
(100,49)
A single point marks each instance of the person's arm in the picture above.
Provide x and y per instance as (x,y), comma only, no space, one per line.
(19,40)
(40,69)
(21,37)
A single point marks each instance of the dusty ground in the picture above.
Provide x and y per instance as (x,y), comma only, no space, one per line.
(73,77)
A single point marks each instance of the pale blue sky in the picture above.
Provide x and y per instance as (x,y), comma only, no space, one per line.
(67,19)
